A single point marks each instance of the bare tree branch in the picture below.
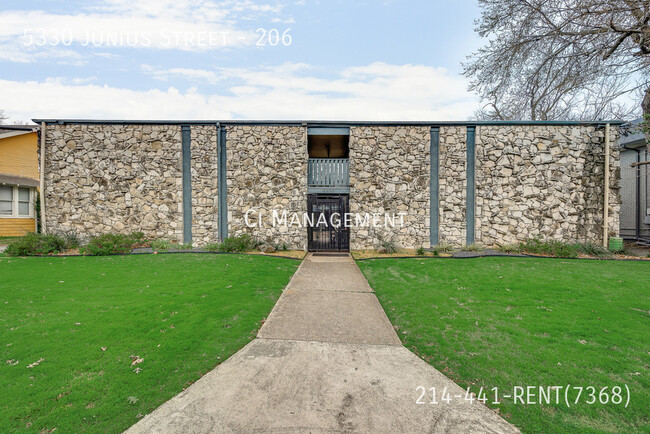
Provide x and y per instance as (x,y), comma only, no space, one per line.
(560,59)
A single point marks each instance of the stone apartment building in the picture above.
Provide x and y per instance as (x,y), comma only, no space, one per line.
(416,184)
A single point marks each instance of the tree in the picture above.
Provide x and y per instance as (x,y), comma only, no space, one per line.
(3,117)
(561,59)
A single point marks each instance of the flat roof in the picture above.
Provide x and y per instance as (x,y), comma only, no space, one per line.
(633,137)
(316,123)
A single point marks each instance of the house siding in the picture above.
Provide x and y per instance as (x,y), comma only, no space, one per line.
(10,227)
(19,157)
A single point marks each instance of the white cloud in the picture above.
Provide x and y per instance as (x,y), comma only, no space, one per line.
(378,91)
(188,25)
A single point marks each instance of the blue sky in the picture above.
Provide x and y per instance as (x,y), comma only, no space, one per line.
(216,59)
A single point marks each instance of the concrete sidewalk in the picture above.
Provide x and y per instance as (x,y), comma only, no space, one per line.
(326,360)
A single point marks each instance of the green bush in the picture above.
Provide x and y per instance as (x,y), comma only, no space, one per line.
(420,251)
(161,245)
(282,247)
(593,249)
(509,248)
(112,244)
(563,250)
(473,248)
(386,246)
(72,240)
(239,244)
(34,244)
(186,246)
(441,248)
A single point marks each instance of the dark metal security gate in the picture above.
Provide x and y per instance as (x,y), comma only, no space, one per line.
(328,231)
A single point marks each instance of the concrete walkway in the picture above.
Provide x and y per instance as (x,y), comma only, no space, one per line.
(326,360)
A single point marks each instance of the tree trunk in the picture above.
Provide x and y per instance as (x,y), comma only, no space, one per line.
(645,104)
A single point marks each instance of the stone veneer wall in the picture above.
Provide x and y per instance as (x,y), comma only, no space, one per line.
(114,178)
(267,170)
(531,181)
(452,151)
(205,184)
(389,173)
(543,181)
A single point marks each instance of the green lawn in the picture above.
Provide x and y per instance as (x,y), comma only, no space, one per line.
(94,343)
(505,322)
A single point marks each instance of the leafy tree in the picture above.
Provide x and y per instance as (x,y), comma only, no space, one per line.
(561,59)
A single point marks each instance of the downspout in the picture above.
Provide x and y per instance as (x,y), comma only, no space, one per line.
(42,179)
(606,198)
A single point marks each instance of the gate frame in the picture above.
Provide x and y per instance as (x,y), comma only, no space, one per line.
(342,245)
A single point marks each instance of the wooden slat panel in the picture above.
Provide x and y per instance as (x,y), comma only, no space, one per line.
(16,227)
(328,172)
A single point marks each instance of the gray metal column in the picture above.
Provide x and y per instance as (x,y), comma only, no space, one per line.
(222,183)
(434,186)
(186,141)
(470,214)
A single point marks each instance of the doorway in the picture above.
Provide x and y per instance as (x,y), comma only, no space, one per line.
(327,231)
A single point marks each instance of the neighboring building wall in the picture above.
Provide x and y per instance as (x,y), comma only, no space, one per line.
(629,177)
(15,227)
(545,182)
(389,173)
(205,182)
(114,178)
(19,156)
(267,170)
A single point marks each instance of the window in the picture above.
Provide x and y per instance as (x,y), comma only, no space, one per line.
(23,202)
(6,200)
(16,202)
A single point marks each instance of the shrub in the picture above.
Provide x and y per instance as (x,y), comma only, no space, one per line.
(71,238)
(593,249)
(214,247)
(386,246)
(442,248)
(34,244)
(473,248)
(509,248)
(283,247)
(238,244)
(161,245)
(551,248)
(138,237)
(185,246)
(112,244)
(420,251)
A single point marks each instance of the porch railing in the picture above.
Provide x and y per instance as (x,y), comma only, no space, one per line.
(328,172)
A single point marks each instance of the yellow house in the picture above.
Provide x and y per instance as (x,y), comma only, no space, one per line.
(19,179)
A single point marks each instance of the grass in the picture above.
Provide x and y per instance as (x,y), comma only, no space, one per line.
(505,322)
(88,320)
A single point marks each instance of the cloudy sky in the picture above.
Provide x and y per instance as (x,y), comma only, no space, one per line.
(236,59)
